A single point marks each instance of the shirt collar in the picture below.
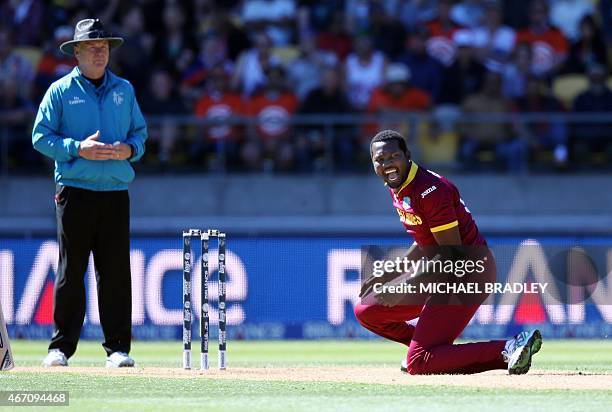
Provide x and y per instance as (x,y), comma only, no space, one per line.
(77,73)
(411,174)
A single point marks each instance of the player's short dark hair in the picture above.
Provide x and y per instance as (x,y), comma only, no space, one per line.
(387,135)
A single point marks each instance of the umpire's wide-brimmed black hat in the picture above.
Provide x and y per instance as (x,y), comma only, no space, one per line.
(87,30)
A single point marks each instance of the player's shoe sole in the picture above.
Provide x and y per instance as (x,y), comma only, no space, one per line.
(519,361)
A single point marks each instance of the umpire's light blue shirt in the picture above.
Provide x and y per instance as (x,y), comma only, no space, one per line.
(73,109)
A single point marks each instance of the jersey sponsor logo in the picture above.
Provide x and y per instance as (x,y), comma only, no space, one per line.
(76,100)
(428,191)
(409,218)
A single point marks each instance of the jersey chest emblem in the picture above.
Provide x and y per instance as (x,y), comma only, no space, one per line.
(409,218)
(406,203)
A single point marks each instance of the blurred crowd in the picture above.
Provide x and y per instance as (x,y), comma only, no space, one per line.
(246,70)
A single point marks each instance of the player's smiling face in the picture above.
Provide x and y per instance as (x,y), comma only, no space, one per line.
(390,162)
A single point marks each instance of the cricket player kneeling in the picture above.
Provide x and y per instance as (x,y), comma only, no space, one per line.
(433,213)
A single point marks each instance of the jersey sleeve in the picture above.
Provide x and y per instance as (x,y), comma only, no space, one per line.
(438,208)
(46,136)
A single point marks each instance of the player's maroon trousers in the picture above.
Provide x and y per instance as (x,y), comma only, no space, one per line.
(430,343)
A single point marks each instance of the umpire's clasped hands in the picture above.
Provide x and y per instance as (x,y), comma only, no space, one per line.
(92,149)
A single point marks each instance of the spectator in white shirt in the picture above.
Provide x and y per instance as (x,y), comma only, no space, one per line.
(493,41)
(364,70)
(275,17)
(566,15)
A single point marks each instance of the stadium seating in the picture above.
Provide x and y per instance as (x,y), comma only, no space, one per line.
(567,87)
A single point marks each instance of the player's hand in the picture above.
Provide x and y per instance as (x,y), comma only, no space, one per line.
(390,299)
(92,149)
(367,285)
(121,151)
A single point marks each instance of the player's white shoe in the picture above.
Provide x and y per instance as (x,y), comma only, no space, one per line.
(119,360)
(520,349)
(404,366)
(55,357)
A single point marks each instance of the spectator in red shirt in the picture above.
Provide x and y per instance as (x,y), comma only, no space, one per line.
(218,104)
(548,43)
(212,52)
(272,108)
(440,45)
(396,96)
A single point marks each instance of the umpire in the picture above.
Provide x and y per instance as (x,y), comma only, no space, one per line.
(89,122)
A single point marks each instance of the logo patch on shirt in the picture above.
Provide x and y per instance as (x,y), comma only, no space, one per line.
(406,202)
(76,100)
(428,191)
(409,218)
(118,98)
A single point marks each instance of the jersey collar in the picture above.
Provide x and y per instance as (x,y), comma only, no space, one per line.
(77,73)
(411,174)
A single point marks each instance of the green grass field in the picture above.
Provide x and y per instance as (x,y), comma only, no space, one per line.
(155,391)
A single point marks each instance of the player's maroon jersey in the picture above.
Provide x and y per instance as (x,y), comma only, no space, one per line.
(427,203)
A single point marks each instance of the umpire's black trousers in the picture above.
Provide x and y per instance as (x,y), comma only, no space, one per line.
(97,222)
